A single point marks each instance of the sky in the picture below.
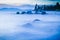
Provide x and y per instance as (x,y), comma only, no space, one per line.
(20,2)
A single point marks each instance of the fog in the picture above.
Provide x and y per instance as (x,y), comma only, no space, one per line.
(25,27)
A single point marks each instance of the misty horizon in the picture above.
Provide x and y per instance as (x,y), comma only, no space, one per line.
(31,2)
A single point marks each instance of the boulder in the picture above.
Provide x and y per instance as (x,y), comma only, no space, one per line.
(28,25)
(43,13)
(17,13)
(36,20)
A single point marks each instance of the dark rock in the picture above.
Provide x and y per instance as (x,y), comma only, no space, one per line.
(36,20)
(23,12)
(17,13)
(43,13)
(28,25)
(29,12)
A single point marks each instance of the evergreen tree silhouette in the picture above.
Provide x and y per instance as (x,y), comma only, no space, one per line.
(36,8)
(57,6)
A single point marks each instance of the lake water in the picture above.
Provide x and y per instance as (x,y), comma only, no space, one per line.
(16,27)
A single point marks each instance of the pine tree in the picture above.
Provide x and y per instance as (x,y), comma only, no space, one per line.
(57,6)
(36,8)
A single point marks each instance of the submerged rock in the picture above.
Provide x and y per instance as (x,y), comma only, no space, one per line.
(36,20)
(28,25)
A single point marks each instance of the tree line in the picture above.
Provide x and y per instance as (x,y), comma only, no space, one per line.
(48,7)
(42,9)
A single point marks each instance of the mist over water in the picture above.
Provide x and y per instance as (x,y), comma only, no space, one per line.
(25,27)
(30,20)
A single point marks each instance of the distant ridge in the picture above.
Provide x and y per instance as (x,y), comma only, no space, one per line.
(5,7)
(10,9)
